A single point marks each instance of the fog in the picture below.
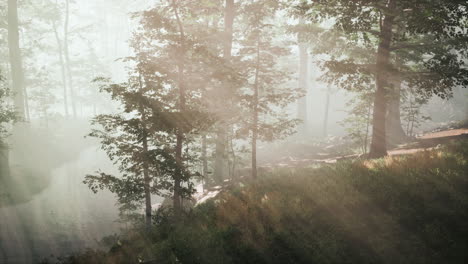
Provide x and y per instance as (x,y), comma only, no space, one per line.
(108,59)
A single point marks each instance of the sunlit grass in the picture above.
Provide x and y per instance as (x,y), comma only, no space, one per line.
(409,209)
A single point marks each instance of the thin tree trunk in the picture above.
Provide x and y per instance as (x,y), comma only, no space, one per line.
(62,69)
(16,62)
(204,158)
(18,85)
(255,113)
(303,70)
(180,137)
(327,108)
(234,159)
(146,176)
(26,104)
(221,137)
(4,161)
(67,58)
(378,146)
(27,114)
(368,122)
(412,118)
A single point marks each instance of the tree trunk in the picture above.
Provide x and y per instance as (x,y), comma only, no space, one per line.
(67,58)
(302,102)
(325,118)
(204,157)
(4,161)
(221,137)
(378,146)
(146,176)
(177,179)
(368,123)
(62,69)
(180,136)
(395,133)
(255,114)
(16,63)
(234,157)
(26,104)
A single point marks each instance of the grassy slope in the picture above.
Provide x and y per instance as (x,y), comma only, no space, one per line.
(397,210)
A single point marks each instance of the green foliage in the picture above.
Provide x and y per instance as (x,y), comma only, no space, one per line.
(411,112)
(359,120)
(162,107)
(266,93)
(139,138)
(427,48)
(7,111)
(394,210)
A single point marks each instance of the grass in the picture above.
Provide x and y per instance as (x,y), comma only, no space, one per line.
(409,209)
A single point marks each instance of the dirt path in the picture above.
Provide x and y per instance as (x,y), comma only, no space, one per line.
(429,141)
(446,133)
(318,156)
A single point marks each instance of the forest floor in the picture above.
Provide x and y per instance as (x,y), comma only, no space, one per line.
(429,140)
(326,153)
(398,209)
(314,156)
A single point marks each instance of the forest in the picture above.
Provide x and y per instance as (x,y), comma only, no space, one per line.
(233,131)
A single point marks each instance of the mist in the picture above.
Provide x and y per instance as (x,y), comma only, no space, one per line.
(167,131)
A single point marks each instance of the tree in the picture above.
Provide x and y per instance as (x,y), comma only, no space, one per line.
(16,62)
(374,23)
(221,135)
(172,51)
(265,94)
(303,73)
(411,111)
(125,139)
(325,116)
(62,65)
(137,141)
(66,56)
(359,120)
(42,94)
(7,117)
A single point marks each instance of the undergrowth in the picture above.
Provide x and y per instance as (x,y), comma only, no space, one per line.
(410,209)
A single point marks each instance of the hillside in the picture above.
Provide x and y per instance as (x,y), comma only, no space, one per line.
(408,209)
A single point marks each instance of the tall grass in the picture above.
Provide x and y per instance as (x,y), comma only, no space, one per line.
(409,209)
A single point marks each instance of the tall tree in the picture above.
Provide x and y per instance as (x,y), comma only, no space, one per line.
(66,53)
(16,62)
(378,146)
(139,151)
(7,116)
(221,136)
(303,74)
(62,67)
(181,107)
(266,93)
(325,116)
(176,48)
(374,24)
